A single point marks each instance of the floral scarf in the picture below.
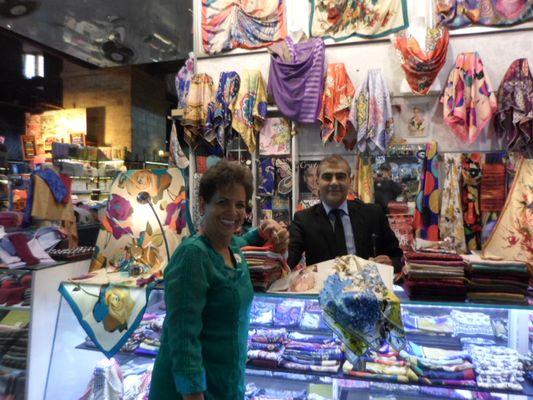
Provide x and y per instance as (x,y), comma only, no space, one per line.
(340,19)
(421,66)
(512,238)
(468,100)
(514,118)
(371,113)
(426,221)
(218,119)
(365,179)
(228,24)
(470,200)
(461,13)
(451,215)
(275,137)
(336,102)
(249,109)
(183,82)
(195,114)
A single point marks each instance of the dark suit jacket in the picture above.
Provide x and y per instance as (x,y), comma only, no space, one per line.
(311,232)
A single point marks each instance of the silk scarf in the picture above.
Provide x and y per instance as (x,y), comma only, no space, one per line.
(176,156)
(183,82)
(421,66)
(340,19)
(371,113)
(336,103)
(512,238)
(451,214)
(470,199)
(461,13)
(468,100)
(275,137)
(228,24)
(250,107)
(427,206)
(365,180)
(514,118)
(195,115)
(296,78)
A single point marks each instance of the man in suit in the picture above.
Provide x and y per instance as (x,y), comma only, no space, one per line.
(338,227)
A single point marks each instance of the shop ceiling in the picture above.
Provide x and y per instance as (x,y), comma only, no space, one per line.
(105,33)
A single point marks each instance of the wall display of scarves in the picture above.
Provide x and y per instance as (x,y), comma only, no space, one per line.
(514,118)
(461,13)
(296,78)
(371,114)
(228,24)
(341,19)
(471,174)
(468,99)
(427,204)
(511,239)
(130,252)
(421,66)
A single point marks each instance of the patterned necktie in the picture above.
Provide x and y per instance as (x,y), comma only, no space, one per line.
(340,240)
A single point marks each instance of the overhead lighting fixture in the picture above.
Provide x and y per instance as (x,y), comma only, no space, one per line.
(163,39)
(18,8)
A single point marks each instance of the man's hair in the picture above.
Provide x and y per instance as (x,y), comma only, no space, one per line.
(334,159)
(385,167)
(225,174)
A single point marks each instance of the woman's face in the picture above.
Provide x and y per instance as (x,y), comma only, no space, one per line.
(225,212)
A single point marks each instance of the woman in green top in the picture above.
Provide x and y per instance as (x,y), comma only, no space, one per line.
(208,293)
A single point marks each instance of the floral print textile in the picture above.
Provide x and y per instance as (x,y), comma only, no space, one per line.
(514,118)
(228,24)
(470,199)
(340,19)
(275,137)
(183,82)
(468,100)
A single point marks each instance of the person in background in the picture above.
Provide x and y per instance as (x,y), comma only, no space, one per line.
(337,227)
(385,189)
(208,293)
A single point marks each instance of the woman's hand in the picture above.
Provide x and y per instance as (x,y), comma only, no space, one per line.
(194,396)
(275,233)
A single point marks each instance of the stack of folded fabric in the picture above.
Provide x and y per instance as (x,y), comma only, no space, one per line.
(14,345)
(474,324)
(14,289)
(496,281)
(318,353)
(427,325)
(262,313)
(431,275)
(265,266)
(252,392)
(265,347)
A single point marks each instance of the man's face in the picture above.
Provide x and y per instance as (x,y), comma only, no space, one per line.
(333,183)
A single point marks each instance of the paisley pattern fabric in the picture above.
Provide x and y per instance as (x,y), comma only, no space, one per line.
(421,66)
(468,100)
(470,199)
(228,24)
(340,19)
(461,13)
(451,214)
(514,118)
(426,222)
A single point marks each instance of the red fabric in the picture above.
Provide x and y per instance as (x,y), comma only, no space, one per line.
(67,181)
(415,255)
(20,242)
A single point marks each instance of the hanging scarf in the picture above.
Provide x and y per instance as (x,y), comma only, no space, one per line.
(296,83)
(249,109)
(183,82)
(336,102)
(514,118)
(512,238)
(461,13)
(468,100)
(365,179)
(470,199)
(421,67)
(426,221)
(451,214)
(492,187)
(366,18)
(228,24)
(275,137)
(195,115)
(218,112)
(371,113)
(176,156)
(266,177)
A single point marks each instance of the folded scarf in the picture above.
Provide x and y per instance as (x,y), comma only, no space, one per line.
(413,255)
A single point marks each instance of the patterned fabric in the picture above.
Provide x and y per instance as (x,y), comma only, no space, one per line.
(512,238)
(492,187)
(470,199)
(275,137)
(218,120)
(176,157)
(428,199)
(340,19)
(514,118)
(296,78)
(228,24)
(468,100)
(451,215)
(371,113)
(336,103)
(183,82)
(421,66)
(267,178)
(249,109)
(195,114)
(461,13)
(365,180)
